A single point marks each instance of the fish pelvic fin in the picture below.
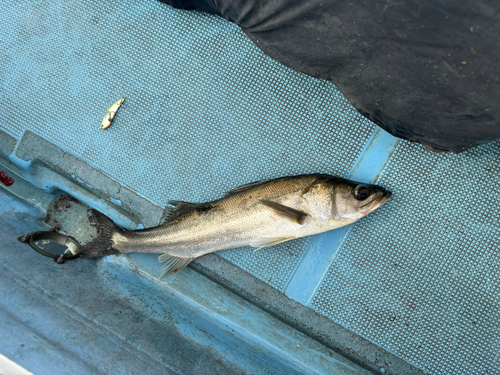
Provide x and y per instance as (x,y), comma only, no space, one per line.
(172,264)
(259,243)
(102,245)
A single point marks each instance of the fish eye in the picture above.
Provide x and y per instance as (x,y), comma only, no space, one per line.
(361,192)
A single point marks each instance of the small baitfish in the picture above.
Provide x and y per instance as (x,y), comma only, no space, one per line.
(259,214)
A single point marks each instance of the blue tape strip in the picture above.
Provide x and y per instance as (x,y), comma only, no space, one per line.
(323,248)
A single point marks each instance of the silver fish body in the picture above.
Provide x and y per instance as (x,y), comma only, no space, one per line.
(259,214)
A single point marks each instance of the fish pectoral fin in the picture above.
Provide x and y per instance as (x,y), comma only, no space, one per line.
(287,212)
(259,243)
(172,264)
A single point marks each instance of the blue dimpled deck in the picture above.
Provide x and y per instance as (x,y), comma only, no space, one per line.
(205,110)
(420,277)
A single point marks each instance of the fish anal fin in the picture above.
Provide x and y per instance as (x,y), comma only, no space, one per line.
(172,264)
(259,243)
(287,212)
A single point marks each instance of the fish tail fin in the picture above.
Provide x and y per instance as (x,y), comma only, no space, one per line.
(172,264)
(102,245)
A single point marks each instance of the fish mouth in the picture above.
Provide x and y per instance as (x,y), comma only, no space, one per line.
(384,198)
(378,202)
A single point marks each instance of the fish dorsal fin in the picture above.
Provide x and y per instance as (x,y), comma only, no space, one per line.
(246,187)
(172,264)
(287,212)
(261,242)
(180,208)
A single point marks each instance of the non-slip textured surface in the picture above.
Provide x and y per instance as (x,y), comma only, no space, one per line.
(420,278)
(206,111)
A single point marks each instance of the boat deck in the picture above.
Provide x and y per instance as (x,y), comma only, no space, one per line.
(206,111)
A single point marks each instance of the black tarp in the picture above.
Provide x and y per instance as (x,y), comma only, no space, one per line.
(427,71)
